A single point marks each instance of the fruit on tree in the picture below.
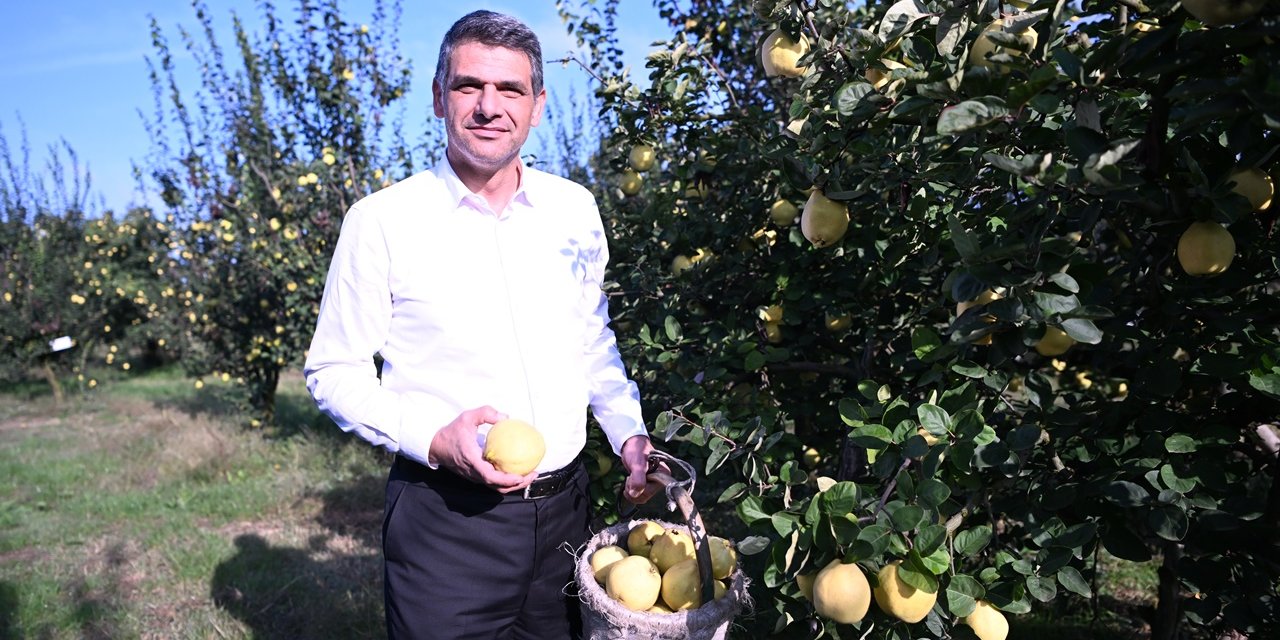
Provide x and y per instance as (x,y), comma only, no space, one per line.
(899,599)
(779,54)
(642,157)
(879,78)
(986,297)
(984,46)
(603,558)
(1206,249)
(671,547)
(824,221)
(811,457)
(1054,342)
(773,332)
(682,586)
(805,582)
(841,592)
(1217,13)
(680,264)
(1255,185)
(514,446)
(771,313)
(987,622)
(640,537)
(723,557)
(635,582)
(783,213)
(835,323)
(630,182)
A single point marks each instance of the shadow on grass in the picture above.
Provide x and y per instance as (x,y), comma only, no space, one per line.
(8,611)
(331,589)
(282,592)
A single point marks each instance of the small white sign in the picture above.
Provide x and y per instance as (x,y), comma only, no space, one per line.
(61,344)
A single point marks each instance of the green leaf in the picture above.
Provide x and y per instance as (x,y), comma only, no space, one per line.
(840,498)
(784,522)
(934,419)
(1267,382)
(1082,330)
(971,114)
(875,540)
(924,340)
(849,96)
(752,545)
(937,562)
(732,493)
(1071,580)
(1126,494)
(871,436)
(966,242)
(907,517)
(930,538)
(914,572)
(1041,588)
(1170,479)
(673,329)
(751,510)
(1066,282)
(1122,543)
(1179,443)
(754,361)
(963,593)
(1169,522)
(899,17)
(932,493)
(972,541)
(1024,437)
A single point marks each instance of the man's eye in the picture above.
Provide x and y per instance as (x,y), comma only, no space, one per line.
(511,93)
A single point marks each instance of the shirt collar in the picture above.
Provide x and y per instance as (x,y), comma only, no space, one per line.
(526,193)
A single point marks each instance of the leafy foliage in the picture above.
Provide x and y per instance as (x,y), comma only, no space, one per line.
(1056,176)
(258,165)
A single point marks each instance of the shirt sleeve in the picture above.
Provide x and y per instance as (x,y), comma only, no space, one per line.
(614,398)
(354,319)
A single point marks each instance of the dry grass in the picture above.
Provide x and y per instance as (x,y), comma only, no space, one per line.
(144,510)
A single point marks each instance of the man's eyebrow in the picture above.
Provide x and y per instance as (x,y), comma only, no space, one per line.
(502,85)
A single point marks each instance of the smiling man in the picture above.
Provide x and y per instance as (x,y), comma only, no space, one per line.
(479,284)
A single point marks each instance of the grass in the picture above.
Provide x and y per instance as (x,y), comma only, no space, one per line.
(144,509)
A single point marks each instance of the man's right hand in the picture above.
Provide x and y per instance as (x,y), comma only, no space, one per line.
(455,448)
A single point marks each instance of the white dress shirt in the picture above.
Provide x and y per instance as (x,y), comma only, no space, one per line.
(471,307)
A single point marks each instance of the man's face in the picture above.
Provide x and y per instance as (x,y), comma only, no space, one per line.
(488,105)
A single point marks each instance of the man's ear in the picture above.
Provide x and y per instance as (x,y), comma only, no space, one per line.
(539,102)
(437,98)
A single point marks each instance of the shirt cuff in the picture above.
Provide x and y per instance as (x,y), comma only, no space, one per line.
(421,418)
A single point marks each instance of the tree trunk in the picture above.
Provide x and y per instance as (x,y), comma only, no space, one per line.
(54,385)
(1168,604)
(262,399)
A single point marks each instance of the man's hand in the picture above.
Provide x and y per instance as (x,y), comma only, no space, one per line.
(455,448)
(635,459)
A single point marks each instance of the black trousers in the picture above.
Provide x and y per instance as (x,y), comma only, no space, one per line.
(464,561)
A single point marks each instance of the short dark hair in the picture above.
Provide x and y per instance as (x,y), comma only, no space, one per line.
(491,29)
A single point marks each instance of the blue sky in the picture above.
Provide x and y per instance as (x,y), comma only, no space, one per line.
(75,69)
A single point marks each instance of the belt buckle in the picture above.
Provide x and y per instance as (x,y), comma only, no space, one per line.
(538,489)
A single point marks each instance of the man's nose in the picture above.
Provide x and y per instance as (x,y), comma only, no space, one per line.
(487,106)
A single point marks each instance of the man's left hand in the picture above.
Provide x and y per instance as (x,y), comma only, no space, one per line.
(635,459)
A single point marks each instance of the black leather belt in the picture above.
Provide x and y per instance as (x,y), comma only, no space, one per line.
(553,482)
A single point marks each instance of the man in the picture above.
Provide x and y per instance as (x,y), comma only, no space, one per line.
(479,283)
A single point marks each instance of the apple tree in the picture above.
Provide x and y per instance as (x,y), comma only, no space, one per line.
(982,289)
(256,166)
(78,283)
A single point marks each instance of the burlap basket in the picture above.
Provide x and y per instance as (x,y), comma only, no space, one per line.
(607,619)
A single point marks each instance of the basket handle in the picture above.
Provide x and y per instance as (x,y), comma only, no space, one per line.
(680,496)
